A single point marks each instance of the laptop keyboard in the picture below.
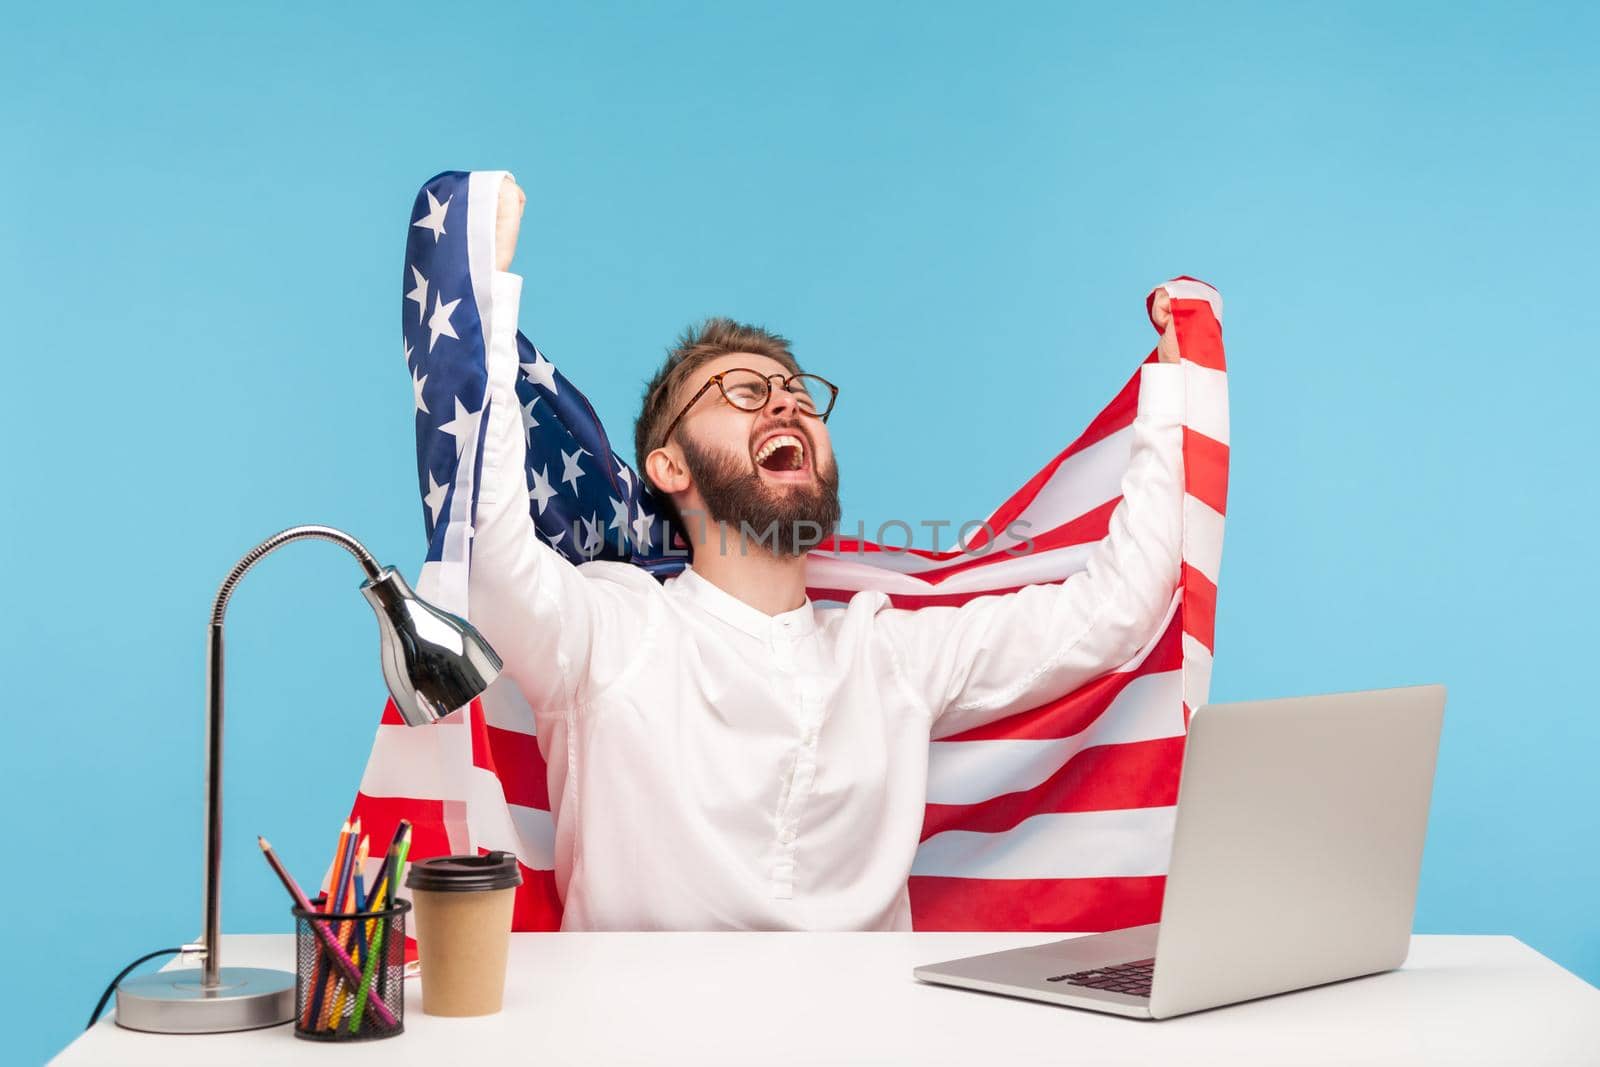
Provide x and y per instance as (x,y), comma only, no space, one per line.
(1130,978)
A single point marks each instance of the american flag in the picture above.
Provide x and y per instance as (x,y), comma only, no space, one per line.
(1056,818)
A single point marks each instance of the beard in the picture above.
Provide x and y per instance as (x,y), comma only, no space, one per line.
(790,521)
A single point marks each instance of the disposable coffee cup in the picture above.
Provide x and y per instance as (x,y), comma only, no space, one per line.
(462,906)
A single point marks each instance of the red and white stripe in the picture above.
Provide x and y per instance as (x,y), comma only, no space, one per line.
(1056,818)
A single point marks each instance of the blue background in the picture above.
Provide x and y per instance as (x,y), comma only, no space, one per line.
(955,215)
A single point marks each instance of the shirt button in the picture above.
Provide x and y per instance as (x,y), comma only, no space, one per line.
(811,737)
(788,837)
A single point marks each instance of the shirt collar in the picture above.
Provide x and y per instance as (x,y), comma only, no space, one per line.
(730,609)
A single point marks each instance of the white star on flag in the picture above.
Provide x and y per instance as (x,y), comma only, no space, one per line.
(435,497)
(416,389)
(556,540)
(541,492)
(570,471)
(591,536)
(528,421)
(623,472)
(641,528)
(419,294)
(619,516)
(434,219)
(541,371)
(439,322)
(461,426)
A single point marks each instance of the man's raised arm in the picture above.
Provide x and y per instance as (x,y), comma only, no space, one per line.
(538,611)
(997,655)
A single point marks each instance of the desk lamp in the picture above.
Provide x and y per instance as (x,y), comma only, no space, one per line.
(434,663)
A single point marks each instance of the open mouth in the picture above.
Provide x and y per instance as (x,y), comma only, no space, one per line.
(783,453)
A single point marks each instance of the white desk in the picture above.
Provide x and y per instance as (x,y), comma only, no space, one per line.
(776,998)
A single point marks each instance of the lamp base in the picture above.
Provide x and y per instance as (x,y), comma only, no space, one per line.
(172,1002)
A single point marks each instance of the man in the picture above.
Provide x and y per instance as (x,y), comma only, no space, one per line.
(721,754)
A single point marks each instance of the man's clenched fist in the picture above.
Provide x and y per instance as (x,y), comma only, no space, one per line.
(507,222)
(1161,315)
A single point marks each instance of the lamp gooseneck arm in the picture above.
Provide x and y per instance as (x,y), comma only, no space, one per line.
(211,928)
(278,540)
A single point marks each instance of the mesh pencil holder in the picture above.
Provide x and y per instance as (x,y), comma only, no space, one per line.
(356,990)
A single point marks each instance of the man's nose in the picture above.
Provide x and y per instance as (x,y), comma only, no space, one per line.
(779,400)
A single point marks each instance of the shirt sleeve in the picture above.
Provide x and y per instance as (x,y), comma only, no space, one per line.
(558,631)
(997,655)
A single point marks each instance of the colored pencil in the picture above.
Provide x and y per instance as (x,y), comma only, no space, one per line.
(400,864)
(337,955)
(308,1011)
(322,995)
(375,902)
(335,868)
(381,897)
(350,934)
(385,896)
(401,829)
(392,891)
(362,928)
(396,880)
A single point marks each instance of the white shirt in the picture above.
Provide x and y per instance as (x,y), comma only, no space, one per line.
(713,767)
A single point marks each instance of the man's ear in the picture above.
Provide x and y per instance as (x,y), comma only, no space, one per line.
(666,471)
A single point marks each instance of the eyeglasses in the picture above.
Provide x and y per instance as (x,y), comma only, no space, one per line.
(749,390)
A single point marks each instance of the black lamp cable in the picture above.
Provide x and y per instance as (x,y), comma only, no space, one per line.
(112,988)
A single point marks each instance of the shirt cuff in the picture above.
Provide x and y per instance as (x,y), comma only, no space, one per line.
(506,286)
(1161,394)
(505,297)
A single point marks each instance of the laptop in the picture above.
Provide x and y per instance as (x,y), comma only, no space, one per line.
(1295,853)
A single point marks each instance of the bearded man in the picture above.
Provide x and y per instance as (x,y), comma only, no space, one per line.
(722,754)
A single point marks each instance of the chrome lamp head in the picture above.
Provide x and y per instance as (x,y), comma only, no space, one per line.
(434,662)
